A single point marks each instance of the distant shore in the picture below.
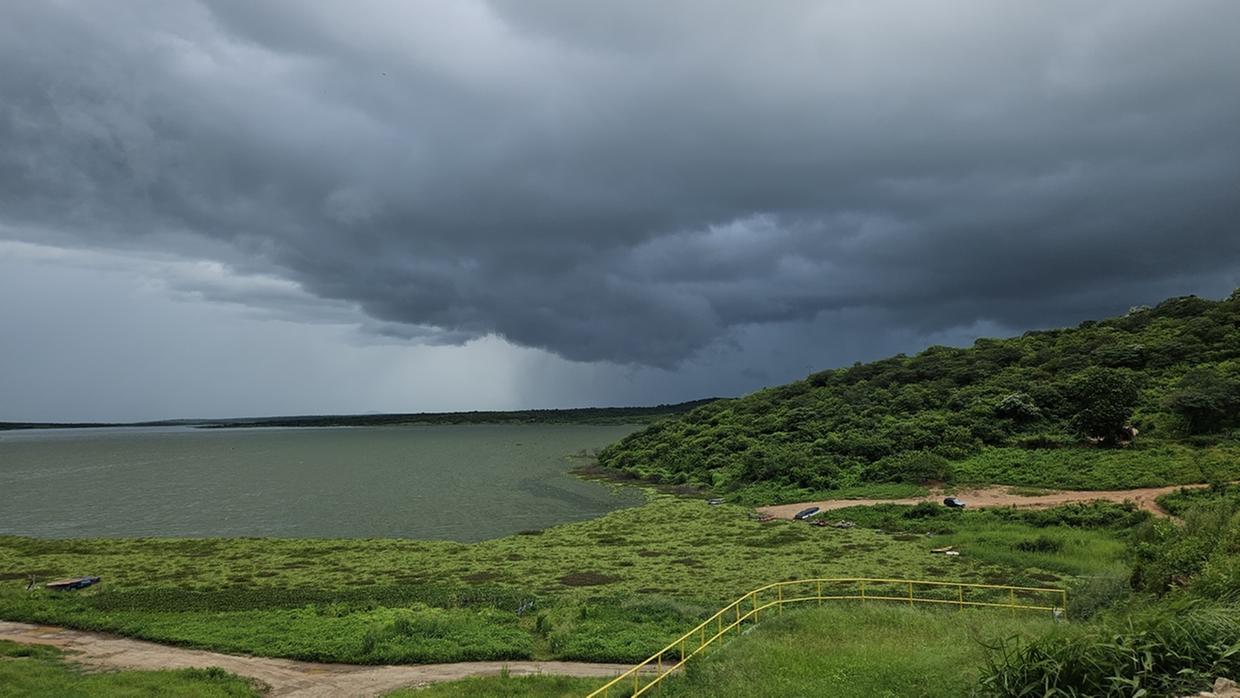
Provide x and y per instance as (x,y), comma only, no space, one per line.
(578,415)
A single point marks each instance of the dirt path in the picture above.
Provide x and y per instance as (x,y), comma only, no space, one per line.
(997,497)
(284,676)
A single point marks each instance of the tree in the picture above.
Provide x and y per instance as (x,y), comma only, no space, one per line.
(1018,407)
(1205,400)
(1105,399)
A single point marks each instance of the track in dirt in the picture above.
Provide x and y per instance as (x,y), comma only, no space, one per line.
(285,677)
(1145,498)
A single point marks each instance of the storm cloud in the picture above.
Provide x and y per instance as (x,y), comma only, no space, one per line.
(638,183)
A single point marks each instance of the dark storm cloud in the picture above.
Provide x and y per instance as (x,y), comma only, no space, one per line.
(637,182)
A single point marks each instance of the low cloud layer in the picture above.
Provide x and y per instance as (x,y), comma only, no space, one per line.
(636,183)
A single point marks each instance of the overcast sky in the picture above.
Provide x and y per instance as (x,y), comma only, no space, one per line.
(229,207)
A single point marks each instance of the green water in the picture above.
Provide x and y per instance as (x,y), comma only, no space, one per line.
(461,483)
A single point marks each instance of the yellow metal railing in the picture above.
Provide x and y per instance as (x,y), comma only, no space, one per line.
(749,607)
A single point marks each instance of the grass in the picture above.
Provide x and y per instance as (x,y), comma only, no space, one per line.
(856,651)
(538,686)
(841,650)
(1098,468)
(610,589)
(1170,649)
(35,671)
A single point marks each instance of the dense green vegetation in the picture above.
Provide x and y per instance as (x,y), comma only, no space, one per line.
(1152,397)
(1171,631)
(35,671)
(612,589)
(1166,626)
(582,415)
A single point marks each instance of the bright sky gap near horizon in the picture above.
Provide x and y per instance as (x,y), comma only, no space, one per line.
(223,208)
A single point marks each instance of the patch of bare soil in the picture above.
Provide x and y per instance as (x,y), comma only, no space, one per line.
(1143,498)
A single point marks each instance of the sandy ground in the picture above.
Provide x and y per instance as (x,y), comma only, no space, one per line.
(285,677)
(996,497)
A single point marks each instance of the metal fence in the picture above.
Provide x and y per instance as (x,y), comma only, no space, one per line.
(773,597)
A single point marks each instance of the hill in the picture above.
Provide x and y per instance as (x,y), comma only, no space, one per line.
(1149,398)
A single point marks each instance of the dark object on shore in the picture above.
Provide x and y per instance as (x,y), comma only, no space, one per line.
(953,503)
(72,584)
(714,502)
(805,513)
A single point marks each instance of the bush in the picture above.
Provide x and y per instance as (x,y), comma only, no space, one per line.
(915,467)
(1041,544)
(1166,651)
(1092,595)
(924,510)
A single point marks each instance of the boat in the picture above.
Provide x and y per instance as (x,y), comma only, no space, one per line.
(72,583)
(805,513)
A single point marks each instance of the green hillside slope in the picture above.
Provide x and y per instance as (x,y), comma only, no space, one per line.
(1149,398)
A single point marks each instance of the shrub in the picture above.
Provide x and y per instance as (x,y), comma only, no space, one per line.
(1167,651)
(924,510)
(915,467)
(1092,595)
(1041,544)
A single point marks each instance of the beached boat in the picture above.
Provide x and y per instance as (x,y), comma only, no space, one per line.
(71,584)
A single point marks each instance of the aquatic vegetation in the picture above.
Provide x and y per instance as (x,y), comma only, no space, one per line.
(613,588)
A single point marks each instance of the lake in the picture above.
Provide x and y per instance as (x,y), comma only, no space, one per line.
(463,483)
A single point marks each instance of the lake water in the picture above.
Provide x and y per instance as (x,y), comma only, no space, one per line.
(462,483)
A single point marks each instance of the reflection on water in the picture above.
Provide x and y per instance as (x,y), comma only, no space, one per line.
(457,482)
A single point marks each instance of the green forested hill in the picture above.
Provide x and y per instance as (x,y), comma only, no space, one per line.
(1149,398)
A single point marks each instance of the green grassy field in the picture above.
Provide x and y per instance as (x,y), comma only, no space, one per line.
(41,672)
(842,650)
(539,686)
(610,589)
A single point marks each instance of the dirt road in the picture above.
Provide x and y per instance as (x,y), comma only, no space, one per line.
(997,497)
(285,677)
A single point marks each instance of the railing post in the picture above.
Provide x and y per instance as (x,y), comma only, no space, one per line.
(780,606)
(910,594)
(635,673)
(682,650)
(960,588)
(820,594)
(755,607)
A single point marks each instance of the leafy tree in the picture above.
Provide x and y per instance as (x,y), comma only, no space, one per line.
(1105,399)
(1205,400)
(1018,407)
